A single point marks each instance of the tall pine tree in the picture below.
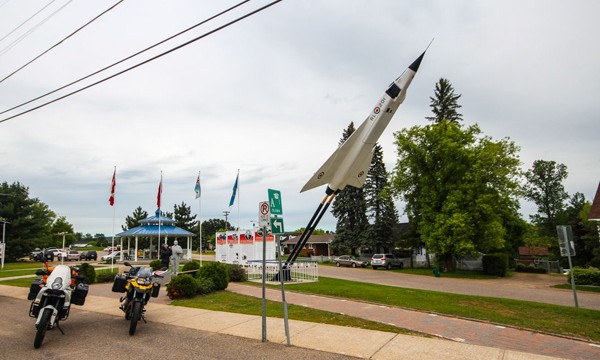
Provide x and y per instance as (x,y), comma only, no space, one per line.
(184,219)
(380,206)
(445,103)
(349,208)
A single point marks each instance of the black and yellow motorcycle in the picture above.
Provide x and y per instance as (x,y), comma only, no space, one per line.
(138,284)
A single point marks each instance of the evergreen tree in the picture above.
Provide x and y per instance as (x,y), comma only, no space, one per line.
(134,220)
(349,208)
(29,221)
(184,219)
(210,228)
(445,103)
(380,205)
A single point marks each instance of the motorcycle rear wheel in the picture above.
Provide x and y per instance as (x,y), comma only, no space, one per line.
(136,314)
(41,328)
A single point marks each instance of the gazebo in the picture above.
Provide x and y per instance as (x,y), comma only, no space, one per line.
(158,227)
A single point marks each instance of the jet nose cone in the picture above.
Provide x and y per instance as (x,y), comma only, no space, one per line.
(415,65)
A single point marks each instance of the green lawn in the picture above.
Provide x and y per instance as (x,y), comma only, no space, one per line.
(563,320)
(20,268)
(231,302)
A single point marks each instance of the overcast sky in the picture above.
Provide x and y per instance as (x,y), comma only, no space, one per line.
(272,94)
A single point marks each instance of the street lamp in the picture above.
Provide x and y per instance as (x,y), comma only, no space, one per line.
(62,257)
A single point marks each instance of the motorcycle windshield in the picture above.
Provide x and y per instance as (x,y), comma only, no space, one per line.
(145,272)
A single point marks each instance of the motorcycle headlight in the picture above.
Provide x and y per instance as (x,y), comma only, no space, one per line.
(57,283)
(143,281)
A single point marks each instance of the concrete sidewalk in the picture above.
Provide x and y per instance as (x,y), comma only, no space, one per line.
(336,339)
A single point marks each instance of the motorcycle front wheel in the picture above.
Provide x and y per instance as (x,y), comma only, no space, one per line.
(41,328)
(136,314)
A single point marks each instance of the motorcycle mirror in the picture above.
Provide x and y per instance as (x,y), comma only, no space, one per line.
(40,272)
(127,263)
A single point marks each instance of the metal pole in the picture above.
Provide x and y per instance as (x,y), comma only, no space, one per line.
(3,241)
(573,280)
(285,310)
(264,285)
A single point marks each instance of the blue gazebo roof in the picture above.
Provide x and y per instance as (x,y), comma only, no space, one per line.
(149,227)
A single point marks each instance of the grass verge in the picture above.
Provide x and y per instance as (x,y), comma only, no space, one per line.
(554,319)
(231,302)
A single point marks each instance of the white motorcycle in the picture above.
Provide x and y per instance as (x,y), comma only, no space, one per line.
(52,296)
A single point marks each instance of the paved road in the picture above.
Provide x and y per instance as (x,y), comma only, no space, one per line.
(92,335)
(520,286)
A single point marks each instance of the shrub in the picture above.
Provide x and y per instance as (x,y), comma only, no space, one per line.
(104,276)
(495,264)
(529,269)
(589,276)
(89,272)
(205,286)
(192,265)
(182,286)
(237,273)
(216,272)
(155,265)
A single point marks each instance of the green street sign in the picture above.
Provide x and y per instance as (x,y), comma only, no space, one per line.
(277,225)
(275,202)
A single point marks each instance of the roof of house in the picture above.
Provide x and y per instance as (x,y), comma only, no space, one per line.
(595,209)
(313,239)
(533,251)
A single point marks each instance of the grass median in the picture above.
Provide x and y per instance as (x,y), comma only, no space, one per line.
(554,319)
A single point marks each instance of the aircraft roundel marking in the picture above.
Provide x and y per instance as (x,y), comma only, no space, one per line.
(376,110)
(320,175)
(360,174)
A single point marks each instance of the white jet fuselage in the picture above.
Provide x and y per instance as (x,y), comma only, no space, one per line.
(350,163)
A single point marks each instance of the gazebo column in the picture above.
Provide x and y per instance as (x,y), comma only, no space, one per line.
(128,246)
(121,250)
(136,249)
(189,250)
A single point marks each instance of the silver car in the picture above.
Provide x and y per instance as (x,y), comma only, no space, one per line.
(386,261)
(349,260)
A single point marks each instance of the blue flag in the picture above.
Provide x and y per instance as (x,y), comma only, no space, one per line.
(197,187)
(234,190)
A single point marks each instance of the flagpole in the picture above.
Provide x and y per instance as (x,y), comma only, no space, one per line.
(238,227)
(200,218)
(112,245)
(158,204)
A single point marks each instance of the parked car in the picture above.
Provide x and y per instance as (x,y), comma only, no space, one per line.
(73,255)
(349,260)
(36,254)
(386,261)
(111,249)
(88,255)
(113,255)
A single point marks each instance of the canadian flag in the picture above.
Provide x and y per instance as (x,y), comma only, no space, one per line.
(111,199)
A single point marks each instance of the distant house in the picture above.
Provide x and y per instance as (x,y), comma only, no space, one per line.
(529,255)
(317,245)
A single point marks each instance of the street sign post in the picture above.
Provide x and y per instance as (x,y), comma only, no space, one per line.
(264,214)
(277,225)
(565,242)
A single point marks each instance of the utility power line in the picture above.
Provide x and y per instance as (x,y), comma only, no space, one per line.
(20,38)
(131,56)
(61,41)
